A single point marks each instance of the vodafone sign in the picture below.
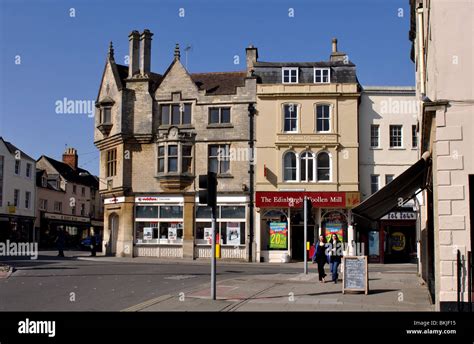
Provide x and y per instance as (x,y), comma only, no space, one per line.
(295,199)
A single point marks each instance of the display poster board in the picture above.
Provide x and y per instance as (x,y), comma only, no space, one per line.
(147,233)
(278,235)
(355,274)
(233,233)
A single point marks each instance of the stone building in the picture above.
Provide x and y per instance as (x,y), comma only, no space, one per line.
(441,33)
(67,198)
(307,145)
(156,134)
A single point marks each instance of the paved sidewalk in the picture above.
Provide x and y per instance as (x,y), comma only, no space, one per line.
(394,289)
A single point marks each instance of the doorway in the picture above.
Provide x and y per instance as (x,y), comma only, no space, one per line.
(113,234)
(298,246)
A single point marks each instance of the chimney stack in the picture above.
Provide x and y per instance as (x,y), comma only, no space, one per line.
(337,56)
(334,45)
(251,54)
(145,52)
(133,68)
(70,158)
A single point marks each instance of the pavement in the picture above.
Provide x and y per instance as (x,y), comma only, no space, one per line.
(79,282)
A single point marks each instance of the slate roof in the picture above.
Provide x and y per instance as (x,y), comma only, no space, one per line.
(12,149)
(71,175)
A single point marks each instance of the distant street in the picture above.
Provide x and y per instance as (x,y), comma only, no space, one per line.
(82,283)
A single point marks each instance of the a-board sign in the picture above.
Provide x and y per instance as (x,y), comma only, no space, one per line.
(355,274)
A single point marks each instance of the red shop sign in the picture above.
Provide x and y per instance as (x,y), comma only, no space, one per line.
(295,199)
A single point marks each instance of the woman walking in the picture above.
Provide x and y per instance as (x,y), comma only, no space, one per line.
(335,252)
(321,258)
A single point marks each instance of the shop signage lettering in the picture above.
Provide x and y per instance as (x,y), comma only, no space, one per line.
(66,218)
(295,199)
(399,215)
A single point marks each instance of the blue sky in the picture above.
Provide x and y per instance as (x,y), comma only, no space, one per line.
(47,55)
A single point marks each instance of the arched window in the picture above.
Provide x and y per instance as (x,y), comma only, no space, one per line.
(323,118)
(324,166)
(289,166)
(307,167)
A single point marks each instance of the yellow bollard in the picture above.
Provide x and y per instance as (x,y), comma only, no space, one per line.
(218,250)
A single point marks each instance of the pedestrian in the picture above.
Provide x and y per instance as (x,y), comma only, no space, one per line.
(321,258)
(60,241)
(335,252)
(93,244)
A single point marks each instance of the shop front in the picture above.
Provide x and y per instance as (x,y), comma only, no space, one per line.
(161,226)
(280,236)
(17,228)
(398,230)
(76,229)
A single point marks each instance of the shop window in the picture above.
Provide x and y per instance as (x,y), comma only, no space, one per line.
(146,212)
(171,212)
(232,212)
(171,232)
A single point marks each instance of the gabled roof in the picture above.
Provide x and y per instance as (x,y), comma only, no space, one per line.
(13,149)
(72,175)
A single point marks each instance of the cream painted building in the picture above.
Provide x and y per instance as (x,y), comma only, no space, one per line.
(17,194)
(442,50)
(388,139)
(306,145)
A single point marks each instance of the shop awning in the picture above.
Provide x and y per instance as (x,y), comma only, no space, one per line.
(398,191)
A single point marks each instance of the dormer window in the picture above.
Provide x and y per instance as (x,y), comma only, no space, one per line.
(322,75)
(289,75)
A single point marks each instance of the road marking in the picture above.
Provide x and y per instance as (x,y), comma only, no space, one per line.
(180,277)
(147,304)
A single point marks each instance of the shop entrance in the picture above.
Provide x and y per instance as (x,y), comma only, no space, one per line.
(298,246)
(400,243)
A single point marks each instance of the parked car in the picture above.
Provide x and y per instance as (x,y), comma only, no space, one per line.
(86,243)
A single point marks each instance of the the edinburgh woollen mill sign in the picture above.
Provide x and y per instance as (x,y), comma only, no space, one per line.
(355,274)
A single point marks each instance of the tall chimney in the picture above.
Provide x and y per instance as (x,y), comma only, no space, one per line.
(145,52)
(251,54)
(133,53)
(334,45)
(70,157)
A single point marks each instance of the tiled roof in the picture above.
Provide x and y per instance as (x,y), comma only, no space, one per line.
(219,83)
(214,83)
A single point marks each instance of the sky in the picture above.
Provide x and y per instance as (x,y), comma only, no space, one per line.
(56,49)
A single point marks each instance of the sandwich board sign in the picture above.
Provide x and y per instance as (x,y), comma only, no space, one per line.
(355,274)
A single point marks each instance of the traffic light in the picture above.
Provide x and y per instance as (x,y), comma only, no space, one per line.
(208,186)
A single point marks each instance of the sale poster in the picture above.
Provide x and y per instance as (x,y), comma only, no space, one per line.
(278,235)
(147,233)
(172,233)
(334,228)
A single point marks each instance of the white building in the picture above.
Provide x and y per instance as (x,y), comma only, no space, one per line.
(17,193)
(388,146)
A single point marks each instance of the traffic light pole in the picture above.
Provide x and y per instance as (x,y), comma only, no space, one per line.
(305,234)
(213,255)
